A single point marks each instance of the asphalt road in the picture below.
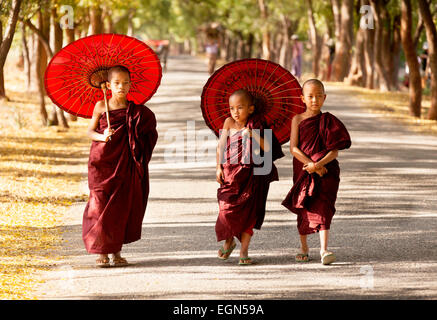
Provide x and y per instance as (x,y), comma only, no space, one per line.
(384,232)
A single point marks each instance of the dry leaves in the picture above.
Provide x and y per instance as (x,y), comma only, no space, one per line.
(40,174)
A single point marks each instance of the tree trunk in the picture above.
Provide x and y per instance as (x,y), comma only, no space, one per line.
(337,18)
(130,28)
(316,46)
(41,63)
(357,75)
(369,57)
(6,41)
(285,47)
(382,77)
(395,50)
(27,61)
(96,22)
(69,38)
(265,30)
(250,45)
(414,80)
(57,113)
(431,36)
(391,47)
(341,63)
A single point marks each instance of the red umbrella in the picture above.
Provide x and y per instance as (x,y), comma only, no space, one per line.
(74,76)
(276,92)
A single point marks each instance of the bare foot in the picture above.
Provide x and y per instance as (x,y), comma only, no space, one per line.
(103,261)
(227,248)
(118,260)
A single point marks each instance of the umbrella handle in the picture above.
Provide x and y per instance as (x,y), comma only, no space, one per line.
(103,86)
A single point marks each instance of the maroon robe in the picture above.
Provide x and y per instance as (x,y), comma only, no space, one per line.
(313,197)
(242,198)
(118,180)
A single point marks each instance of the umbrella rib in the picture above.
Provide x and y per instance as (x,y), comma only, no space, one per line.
(256,68)
(264,71)
(283,97)
(69,64)
(90,52)
(288,89)
(121,48)
(252,86)
(68,86)
(287,82)
(276,79)
(89,104)
(137,54)
(72,54)
(87,90)
(107,58)
(286,109)
(138,84)
(277,108)
(223,115)
(61,77)
(219,110)
(266,82)
(217,90)
(243,73)
(71,105)
(217,104)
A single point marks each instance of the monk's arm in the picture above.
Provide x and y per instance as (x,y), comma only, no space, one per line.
(264,144)
(294,142)
(92,133)
(331,155)
(220,151)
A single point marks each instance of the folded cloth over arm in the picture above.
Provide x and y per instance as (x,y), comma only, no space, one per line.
(312,197)
(118,180)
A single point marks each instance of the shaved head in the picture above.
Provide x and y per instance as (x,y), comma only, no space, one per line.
(118,68)
(315,82)
(246,95)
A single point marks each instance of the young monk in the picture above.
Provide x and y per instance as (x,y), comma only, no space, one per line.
(315,140)
(242,194)
(118,174)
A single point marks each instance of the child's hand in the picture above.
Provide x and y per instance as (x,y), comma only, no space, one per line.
(219,175)
(107,134)
(322,171)
(247,133)
(310,167)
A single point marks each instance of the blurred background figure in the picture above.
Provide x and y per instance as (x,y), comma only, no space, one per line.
(424,65)
(331,49)
(162,52)
(296,60)
(211,49)
(161,48)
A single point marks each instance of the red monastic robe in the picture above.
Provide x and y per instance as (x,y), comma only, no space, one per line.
(242,198)
(118,180)
(313,197)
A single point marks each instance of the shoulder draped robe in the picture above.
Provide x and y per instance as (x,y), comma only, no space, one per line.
(242,198)
(313,197)
(118,180)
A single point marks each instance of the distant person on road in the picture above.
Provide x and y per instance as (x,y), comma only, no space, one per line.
(424,65)
(242,194)
(211,49)
(162,52)
(118,175)
(315,139)
(296,52)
